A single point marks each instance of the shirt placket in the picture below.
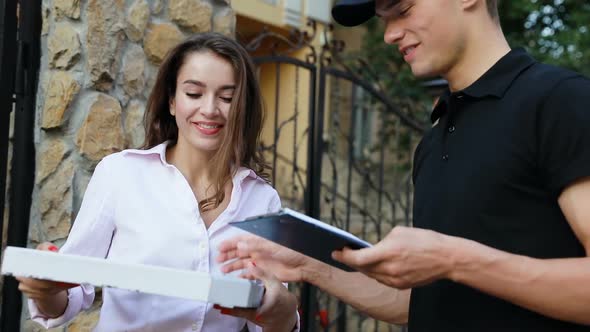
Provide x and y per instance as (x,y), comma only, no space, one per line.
(202,252)
(201,256)
(449,125)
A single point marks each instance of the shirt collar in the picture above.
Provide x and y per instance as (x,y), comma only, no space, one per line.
(160,151)
(493,83)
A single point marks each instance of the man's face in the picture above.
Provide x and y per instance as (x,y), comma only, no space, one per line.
(428,33)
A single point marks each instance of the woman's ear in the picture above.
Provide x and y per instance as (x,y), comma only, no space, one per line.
(172,107)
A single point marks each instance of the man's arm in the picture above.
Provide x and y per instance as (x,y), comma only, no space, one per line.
(557,288)
(363,293)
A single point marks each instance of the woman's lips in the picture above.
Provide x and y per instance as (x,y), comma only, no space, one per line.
(208,128)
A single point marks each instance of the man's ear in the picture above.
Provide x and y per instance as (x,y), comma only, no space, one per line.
(471,4)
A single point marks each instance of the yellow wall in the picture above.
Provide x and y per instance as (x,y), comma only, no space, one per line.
(294,99)
(252,17)
(260,11)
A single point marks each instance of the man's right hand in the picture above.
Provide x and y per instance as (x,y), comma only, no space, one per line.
(49,296)
(287,265)
(363,293)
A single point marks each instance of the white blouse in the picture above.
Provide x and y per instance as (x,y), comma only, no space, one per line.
(140,209)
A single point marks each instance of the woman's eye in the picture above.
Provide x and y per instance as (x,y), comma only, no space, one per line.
(194,95)
(226,99)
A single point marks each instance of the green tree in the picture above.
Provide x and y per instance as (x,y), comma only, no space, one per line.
(553,31)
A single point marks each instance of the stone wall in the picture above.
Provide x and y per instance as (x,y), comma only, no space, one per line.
(99,61)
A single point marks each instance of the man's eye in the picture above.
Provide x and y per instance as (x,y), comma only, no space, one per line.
(405,11)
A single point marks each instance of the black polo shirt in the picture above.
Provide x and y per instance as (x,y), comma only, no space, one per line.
(491,169)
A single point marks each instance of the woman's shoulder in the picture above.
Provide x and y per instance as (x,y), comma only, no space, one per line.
(246,174)
(133,156)
(125,161)
(249,178)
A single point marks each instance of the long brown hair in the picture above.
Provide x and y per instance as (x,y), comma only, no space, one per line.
(241,139)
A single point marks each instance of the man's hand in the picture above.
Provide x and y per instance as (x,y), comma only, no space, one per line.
(287,265)
(405,258)
(361,292)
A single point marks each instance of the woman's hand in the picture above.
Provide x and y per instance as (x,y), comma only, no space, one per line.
(50,297)
(278,310)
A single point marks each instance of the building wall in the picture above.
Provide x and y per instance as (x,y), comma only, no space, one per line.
(291,110)
(99,61)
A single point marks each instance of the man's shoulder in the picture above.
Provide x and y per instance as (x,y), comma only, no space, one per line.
(542,82)
(547,76)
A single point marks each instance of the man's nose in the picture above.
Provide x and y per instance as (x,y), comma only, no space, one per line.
(393,33)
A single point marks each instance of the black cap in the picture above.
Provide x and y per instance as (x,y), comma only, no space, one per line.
(353,12)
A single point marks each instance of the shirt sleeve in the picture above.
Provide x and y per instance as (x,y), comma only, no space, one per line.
(253,327)
(90,235)
(563,128)
(275,203)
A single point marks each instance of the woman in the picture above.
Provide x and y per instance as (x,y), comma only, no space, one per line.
(169,203)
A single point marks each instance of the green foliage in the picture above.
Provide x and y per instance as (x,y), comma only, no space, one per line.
(553,31)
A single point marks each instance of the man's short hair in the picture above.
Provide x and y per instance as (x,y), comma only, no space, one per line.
(493,9)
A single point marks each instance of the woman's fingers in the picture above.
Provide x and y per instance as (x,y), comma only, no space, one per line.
(249,314)
(65,285)
(47,246)
(277,309)
(36,288)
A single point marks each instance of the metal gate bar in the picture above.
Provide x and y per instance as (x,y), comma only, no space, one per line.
(22,176)
(7,65)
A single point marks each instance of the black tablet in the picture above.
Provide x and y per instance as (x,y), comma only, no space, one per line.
(303,234)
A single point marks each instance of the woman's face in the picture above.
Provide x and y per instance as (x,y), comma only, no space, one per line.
(204,90)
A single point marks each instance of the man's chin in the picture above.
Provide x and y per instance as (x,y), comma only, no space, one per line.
(423,73)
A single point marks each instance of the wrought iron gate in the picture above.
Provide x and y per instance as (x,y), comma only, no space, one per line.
(20,32)
(340,150)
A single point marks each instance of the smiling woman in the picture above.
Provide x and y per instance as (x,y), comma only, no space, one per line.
(170,203)
(205,95)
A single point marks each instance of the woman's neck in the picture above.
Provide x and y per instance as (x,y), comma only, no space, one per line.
(192,163)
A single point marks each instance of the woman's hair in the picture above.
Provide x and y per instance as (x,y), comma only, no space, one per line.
(240,142)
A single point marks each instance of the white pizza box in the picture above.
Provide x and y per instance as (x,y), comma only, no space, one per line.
(226,291)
